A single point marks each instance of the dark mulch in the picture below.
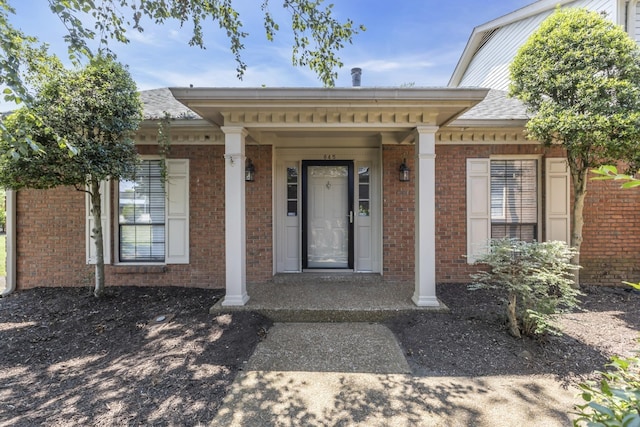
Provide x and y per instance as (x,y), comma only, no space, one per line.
(472,340)
(69,359)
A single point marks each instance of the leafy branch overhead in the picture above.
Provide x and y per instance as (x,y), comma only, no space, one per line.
(318,35)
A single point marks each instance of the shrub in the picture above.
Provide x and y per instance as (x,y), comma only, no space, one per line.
(615,400)
(537,280)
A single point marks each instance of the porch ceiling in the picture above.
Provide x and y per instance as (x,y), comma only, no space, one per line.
(299,110)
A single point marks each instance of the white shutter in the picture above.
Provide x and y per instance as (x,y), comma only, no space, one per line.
(177,223)
(558,192)
(105,199)
(478,207)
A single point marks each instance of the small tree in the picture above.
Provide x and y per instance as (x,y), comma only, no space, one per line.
(579,74)
(536,280)
(95,110)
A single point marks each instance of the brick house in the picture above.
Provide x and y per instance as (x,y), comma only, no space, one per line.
(327,192)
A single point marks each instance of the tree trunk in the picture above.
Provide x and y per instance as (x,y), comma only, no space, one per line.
(96,208)
(514,328)
(577,219)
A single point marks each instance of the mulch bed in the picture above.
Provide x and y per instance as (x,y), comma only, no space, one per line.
(154,356)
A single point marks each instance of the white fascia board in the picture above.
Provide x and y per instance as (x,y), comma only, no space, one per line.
(339,95)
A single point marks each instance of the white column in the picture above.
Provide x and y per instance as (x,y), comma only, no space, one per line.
(10,228)
(235,217)
(425,217)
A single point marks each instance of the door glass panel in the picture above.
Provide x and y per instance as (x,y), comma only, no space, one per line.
(363,191)
(328,217)
(292,191)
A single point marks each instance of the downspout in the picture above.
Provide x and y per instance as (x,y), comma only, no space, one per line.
(11,242)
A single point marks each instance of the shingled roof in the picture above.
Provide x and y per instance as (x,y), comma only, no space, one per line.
(158,101)
(497,106)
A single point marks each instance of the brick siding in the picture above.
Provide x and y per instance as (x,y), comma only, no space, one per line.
(51,224)
(51,247)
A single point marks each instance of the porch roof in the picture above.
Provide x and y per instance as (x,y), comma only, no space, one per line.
(337,108)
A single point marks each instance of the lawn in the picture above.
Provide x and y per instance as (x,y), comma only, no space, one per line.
(3,255)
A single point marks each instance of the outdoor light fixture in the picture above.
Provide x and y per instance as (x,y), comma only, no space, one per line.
(404,171)
(249,171)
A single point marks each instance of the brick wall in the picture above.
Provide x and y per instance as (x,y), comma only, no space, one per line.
(260,216)
(51,247)
(398,205)
(51,224)
(610,250)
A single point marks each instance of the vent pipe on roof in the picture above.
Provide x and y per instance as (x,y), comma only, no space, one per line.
(356,75)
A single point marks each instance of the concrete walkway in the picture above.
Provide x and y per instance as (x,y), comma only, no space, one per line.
(354,374)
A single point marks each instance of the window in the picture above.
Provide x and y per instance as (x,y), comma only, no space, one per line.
(514,199)
(153,214)
(142,215)
(292,191)
(363,191)
(502,201)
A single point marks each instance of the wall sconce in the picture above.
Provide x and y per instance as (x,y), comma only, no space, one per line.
(404,171)
(249,171)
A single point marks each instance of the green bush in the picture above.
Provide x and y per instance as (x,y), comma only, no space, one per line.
(536,279)
(615,400)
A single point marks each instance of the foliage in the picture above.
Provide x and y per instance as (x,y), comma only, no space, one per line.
(317,34)
(96,108)
(579,75)
(536,280)
(607,172)
(615,399)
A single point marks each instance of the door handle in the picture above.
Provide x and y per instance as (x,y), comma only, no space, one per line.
(350,217)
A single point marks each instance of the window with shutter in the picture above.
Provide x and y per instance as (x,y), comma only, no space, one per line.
(153,214)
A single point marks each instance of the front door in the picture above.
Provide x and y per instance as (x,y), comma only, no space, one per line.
(327,214)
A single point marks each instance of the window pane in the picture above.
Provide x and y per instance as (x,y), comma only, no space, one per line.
(363,208)
(292,175)
(363,175)
(142,214)
(292,191)
(514,198)
(364,191)
(292,208)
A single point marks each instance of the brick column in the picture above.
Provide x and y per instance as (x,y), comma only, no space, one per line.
(425,217)
(235,217)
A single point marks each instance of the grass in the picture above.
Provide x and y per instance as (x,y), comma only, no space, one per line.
(3,255)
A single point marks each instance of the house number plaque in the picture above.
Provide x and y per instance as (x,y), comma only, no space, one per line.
(329,156)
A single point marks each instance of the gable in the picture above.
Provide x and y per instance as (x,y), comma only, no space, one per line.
(492,46)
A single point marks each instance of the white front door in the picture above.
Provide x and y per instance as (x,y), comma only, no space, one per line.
(328,214)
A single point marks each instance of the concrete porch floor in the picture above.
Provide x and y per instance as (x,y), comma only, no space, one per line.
(329,297)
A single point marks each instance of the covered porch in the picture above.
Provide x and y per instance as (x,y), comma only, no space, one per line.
(333,126)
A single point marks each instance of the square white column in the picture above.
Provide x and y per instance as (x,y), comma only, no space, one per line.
(425,218)
(235,217)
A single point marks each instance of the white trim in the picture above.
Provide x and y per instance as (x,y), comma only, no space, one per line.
(10,228)
(235,217)
(284,156)
(478,200)
(425,214)
(177,189)
(558,203)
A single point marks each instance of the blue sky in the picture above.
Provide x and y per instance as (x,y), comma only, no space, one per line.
(407,42)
